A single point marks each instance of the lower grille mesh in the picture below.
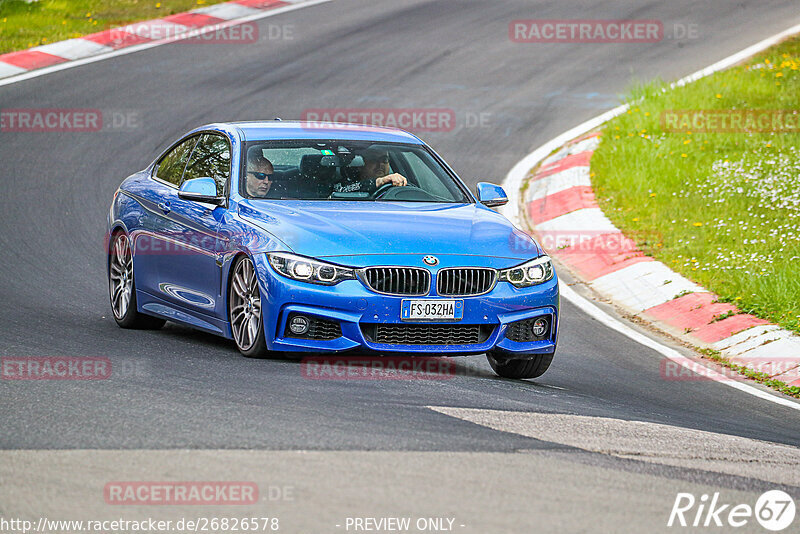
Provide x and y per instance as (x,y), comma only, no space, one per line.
(427,334)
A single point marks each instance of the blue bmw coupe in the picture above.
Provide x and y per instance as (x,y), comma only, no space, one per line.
(292,237)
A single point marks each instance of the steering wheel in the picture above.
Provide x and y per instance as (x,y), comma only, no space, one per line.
(410,193)
(382,189)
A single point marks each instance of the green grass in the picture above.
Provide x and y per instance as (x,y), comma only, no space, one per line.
(723,209)
(26,24)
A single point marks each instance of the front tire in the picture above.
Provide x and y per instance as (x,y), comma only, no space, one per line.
(244,314)
(122,289)
(529,368)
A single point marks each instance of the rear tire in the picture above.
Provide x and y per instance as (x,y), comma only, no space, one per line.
(529,368)
(122,289)
(244,310)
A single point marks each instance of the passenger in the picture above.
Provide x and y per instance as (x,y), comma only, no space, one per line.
(374,173)
(259,174)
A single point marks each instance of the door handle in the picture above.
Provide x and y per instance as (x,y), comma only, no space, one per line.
(164,206)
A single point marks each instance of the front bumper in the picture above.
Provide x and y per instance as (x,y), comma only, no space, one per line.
(356,309)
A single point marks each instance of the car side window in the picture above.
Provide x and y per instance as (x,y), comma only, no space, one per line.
(425,177)
(170,168)
(211,158)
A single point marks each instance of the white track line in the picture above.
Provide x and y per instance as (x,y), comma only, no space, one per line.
(517,174)
(593,311)
(144,46)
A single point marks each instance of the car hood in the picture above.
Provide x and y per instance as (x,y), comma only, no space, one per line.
(330,229)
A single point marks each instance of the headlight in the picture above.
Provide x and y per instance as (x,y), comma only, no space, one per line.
(308,270)
(530,273)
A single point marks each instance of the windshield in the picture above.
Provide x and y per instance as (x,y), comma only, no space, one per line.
(346,171)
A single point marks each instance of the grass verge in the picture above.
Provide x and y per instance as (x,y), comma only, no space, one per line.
(761,378)
(725,206)
(25,24)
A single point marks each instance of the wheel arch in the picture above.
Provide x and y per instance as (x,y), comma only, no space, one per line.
(116,229)
(228,280)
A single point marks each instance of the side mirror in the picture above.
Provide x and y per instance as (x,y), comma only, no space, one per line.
(201,190)
(491,195)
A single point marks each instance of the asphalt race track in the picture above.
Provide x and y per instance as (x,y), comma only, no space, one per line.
(179,389)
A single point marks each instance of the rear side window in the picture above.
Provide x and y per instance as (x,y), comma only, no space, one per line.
(170,168)
(211,158)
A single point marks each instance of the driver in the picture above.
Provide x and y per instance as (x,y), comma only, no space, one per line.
(374,173)
(259,174)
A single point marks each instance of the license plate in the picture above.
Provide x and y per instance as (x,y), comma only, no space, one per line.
(432,309)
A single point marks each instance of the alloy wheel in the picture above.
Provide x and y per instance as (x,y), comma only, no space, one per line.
(121,278)
(245,305)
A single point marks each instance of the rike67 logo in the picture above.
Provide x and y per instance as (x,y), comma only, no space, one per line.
(774,510)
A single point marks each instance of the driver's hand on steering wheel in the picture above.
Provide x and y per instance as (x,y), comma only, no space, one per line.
(395,179)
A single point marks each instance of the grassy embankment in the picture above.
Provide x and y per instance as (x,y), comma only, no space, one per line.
(721,208)
(26,24)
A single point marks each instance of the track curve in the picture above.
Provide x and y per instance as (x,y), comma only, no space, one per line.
(182,389)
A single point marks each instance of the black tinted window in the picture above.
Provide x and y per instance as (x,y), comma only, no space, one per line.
(347,170)
(170,168)
(211,158)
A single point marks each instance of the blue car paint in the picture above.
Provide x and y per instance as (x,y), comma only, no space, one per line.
(327,229)
(188,283)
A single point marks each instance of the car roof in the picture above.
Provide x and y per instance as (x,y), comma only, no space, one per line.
(277,129)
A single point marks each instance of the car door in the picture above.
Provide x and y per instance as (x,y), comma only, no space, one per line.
(154,238)
(192,278)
